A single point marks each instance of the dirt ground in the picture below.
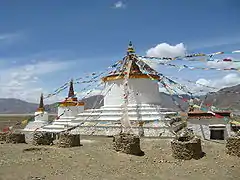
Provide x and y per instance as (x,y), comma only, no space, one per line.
(96,160)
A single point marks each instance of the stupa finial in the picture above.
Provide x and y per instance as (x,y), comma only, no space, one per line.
(130,49)
(41,105)
(71,90)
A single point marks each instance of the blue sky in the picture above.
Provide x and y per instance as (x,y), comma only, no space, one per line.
(69,38)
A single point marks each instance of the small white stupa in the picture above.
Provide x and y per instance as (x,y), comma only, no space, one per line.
(40,118)
(67,110)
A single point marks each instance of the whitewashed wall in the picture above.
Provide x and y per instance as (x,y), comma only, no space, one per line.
(142,91)
(70,111)
(201,127)
(41,116)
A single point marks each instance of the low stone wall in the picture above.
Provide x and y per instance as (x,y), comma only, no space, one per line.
(3,136)
(186,149)
(42,138)
(127,143)
(111,131)
(67,140)
(233,146)
(15,138)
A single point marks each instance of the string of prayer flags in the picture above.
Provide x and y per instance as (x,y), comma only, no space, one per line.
(210,87)
(190,55)
(197,68)
(172,97)
(94,75)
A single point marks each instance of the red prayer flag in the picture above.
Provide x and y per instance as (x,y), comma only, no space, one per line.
(185,99)
(6,129)
(218,116)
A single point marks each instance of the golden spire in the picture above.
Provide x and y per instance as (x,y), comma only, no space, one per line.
(71,100)
(134,67)
(41,105)
(71,93)
(135,70)
(130,49)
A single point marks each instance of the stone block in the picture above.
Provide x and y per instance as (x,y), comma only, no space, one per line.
(3,136)
(42,138)
(233,146)
(186,149)
(127,143)
(67,140)
(15,138)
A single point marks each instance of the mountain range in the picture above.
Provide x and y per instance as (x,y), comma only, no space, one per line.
(226,98)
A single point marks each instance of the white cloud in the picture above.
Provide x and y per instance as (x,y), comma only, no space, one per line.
(228,80)
(167,50)
(119,5)
(22,82)
(164,50)
(223,64)
(10,37)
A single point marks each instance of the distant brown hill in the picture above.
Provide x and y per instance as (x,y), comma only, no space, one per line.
(17,106)
(224,98)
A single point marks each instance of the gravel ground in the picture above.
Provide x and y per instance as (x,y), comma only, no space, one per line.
(96,160)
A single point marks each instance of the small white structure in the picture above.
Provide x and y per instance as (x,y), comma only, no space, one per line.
(40,118)
(67,110)
(208,126)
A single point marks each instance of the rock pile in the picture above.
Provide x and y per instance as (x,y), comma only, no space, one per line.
(186,147)
(127,143)
(15,138)
(233,145)
(42,138)
(67,140)
(3,136)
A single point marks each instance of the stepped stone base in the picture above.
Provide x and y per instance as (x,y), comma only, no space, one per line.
(67,140)
(127,143)
(15,138)
(233,146)
(105,121)
(111,131)
(186,149)
(42,138)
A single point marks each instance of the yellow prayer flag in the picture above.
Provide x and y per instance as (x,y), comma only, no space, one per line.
(196,106)
(24,122)
(235,122)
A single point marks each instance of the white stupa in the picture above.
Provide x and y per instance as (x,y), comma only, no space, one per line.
(144,110)
(40,118)
(67,111)
(145,113)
